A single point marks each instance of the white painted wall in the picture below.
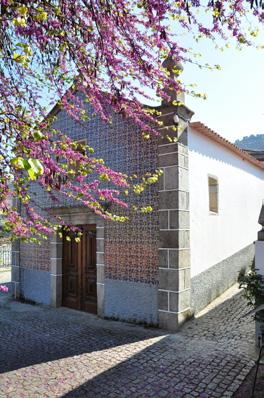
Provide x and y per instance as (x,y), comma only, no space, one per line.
(241,191)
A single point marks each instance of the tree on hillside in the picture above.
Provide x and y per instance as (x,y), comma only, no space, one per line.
(254,142)
(111,51)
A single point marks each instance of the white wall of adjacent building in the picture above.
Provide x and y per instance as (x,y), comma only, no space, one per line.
(215,237)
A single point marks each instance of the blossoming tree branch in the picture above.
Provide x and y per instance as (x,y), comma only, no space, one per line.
(111,51)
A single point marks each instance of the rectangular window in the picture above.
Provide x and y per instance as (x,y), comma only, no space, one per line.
(213,194)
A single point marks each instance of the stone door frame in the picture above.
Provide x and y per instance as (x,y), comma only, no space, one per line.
(76,216)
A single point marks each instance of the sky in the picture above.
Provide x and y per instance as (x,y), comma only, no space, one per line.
(235,104)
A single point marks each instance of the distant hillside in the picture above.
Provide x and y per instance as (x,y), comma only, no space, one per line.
(253,142)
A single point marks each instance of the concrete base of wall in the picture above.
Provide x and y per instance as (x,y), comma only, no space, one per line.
(208,285)
(35,285)
(131,301)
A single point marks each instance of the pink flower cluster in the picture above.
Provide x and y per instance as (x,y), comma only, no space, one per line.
(3,289)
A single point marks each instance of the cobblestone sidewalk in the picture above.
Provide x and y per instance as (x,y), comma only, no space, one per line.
(64,353)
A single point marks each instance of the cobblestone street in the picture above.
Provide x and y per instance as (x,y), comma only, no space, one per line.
(64,353)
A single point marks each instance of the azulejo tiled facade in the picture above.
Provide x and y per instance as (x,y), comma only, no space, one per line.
(142,265)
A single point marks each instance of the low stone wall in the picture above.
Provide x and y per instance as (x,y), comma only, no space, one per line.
(208,285)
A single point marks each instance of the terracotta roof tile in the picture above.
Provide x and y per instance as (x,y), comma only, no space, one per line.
(206,131)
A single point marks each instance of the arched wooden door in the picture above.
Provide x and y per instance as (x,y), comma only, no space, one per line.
(79,271)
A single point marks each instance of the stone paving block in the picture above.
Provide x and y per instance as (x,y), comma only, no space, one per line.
(65,353)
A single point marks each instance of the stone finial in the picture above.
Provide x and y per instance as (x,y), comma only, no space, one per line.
(170,64)
(261,222)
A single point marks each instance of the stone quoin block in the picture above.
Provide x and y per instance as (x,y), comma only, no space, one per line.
(100,299)
(174,239)
(56,266)
(171,177)
(183,200)
(179,301)
(179,219)
(163,300)
(161,182)
(183,179)
(169,239)
(183,149)
(100,232)
(163,258)
(168,200)
(56,290)
(100,245)
(168,279)
(168,320)
(167,149)
(174,200)
(182,160)
(179,258)
(184,279)
(56,249)
(168,159)
(164,219)
(100,273)
(100,258)
(184,239)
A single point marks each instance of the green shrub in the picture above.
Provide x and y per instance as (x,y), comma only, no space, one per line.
(252,284)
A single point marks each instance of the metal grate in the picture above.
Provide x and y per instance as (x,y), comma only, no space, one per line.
(5,256)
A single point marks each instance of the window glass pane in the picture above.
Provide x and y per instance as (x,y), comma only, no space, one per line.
(213,194)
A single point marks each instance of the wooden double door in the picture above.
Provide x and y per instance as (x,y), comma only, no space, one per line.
(79,271)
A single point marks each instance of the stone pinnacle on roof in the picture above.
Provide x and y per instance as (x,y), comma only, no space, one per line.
(171,65)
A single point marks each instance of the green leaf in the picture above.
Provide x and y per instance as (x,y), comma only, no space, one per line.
(26,164)
(32,174)
(18,162)
(37,135)
(36,169)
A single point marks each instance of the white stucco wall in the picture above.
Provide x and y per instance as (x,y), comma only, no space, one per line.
(241,191)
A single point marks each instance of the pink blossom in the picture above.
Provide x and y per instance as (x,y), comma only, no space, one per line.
(3,288)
